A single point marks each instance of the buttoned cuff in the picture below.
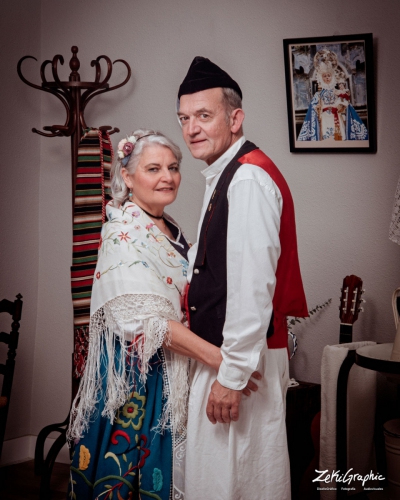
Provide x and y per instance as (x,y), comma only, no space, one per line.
(232,378)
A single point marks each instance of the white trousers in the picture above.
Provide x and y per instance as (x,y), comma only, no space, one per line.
(247,459)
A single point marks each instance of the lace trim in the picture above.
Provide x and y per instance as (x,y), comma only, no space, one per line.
(155,312)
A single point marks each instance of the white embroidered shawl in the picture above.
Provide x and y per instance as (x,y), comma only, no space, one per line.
(139,278)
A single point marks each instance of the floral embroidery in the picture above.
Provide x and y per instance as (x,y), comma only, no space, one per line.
(157,479)
(124,236)
(149,226)
(184,266)
(131,410)
(114,439)
(135,214)
(84,457)
(169,280)
(98,274)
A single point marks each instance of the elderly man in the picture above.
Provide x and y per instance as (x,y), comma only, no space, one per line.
(244,279)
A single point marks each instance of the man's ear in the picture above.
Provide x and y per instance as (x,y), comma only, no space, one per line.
(237,117)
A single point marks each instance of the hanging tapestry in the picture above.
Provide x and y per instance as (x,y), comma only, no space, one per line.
(92,193)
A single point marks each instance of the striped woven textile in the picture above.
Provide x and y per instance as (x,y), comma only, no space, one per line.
(92,193)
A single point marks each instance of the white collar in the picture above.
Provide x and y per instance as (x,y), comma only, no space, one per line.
(215,168)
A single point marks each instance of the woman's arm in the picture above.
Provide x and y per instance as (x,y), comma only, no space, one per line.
(183,341)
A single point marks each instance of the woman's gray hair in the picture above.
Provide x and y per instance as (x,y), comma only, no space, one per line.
(119,190)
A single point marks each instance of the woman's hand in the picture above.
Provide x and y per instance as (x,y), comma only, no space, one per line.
(252,386)
(185,342)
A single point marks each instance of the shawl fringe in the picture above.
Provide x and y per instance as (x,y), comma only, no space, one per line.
(107,327)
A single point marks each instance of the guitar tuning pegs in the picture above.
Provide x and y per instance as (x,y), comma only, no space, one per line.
(363,290)
(363,300)
(360,309)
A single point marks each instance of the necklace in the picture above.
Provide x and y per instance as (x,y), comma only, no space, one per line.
(159,217)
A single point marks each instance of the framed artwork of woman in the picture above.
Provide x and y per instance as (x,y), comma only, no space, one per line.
(330,94)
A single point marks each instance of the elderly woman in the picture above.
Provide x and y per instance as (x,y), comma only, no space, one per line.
(128,419)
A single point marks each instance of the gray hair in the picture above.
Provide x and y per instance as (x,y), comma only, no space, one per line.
(231,100)
(119,190)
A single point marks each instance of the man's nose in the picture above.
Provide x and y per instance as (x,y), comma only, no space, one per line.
(193,128)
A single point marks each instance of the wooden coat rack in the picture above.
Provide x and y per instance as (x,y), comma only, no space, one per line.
(74,101)
(74,95)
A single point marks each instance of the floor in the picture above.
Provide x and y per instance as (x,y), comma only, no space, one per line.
(18,482)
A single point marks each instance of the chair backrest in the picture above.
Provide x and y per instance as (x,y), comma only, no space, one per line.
(7,368)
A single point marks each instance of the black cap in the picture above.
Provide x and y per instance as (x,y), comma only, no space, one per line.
(204,74)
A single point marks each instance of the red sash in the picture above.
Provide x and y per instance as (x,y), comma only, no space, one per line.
(289,298)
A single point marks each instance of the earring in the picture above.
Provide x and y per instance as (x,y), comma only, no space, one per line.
(130,194)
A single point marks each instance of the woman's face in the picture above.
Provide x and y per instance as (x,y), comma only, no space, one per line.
(156,180)
(327,78)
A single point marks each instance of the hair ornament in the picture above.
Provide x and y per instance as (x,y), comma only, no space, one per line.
(126,147)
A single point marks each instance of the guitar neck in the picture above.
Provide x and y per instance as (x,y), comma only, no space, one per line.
(349,307)
(346,333)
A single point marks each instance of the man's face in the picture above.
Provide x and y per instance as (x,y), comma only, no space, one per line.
(205,127)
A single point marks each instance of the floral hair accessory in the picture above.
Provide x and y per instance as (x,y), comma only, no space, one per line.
(125,148)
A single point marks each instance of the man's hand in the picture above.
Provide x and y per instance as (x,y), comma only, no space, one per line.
(223,404)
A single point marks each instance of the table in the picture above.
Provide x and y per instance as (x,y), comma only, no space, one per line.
(372,357)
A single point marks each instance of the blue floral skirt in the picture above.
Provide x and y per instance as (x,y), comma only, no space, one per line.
(126,460)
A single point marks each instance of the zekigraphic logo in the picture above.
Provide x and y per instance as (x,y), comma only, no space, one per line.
(348,480)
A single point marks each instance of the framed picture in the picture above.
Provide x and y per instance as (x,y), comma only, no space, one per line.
(330,94)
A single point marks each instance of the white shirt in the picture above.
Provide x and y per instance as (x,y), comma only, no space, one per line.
(253,249)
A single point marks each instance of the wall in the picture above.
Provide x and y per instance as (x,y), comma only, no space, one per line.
(343,202)
(19,195)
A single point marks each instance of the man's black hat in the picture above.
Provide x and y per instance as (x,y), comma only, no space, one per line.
(204,74)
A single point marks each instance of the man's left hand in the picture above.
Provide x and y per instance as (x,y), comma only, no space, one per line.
(223,404)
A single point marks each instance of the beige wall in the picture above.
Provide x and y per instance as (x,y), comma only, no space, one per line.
(19,195)
(343,202)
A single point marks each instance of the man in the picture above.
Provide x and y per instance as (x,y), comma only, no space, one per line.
(244,279)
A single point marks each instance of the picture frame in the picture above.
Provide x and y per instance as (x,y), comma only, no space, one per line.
(330,94)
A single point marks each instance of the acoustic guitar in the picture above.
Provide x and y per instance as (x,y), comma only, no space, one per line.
(350,301)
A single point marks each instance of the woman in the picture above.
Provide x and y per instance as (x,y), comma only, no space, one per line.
(324,119)
(128,419)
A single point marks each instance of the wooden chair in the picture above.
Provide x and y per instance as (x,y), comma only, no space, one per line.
(7,369)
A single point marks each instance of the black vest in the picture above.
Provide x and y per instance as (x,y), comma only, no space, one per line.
(207,291)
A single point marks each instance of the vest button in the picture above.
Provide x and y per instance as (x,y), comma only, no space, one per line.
(196,271)
(192,308)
